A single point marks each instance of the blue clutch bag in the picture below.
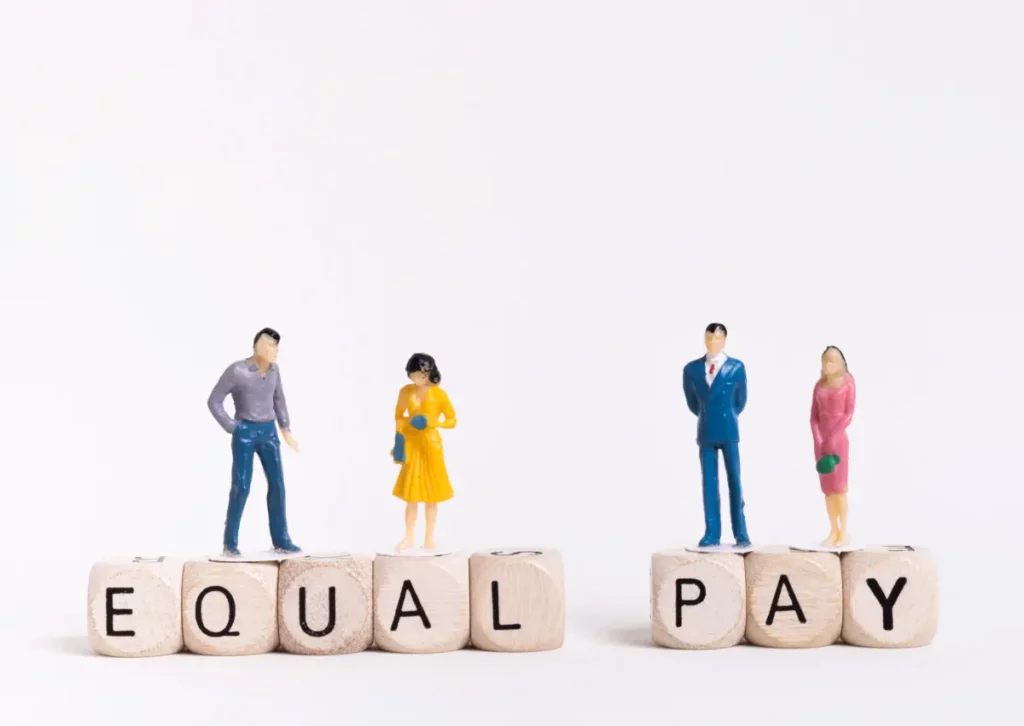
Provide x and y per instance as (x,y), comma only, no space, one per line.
(399,453)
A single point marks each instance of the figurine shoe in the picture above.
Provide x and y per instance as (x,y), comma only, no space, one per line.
(231,551)
(709,541)
(287,548)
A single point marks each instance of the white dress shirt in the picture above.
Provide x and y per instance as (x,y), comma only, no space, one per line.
(718,360)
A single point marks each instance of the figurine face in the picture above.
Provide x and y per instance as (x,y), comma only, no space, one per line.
(714,342)
(266,348)
(420,378)
(832,363)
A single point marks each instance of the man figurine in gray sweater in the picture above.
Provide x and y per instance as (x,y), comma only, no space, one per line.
(255,387)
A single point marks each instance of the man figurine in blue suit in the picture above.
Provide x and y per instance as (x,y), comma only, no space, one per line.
(716,393)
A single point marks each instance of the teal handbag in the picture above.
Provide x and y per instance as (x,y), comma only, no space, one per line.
(827,464)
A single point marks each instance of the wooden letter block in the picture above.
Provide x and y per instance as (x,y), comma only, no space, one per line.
(229,608)
(794,598)
(135,607)
(698,599)
(517,600)
(325,604)
(890,597)
(421,602)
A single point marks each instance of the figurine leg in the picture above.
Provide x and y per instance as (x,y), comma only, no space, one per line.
(430,509)
(410,527)
(712,504)
(731,452)
(832,505)
(841,511)
(269,451)
(243,446)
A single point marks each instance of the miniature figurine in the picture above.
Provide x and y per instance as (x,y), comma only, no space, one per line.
(255,387)
(832,404)
(422,409)
(716,392)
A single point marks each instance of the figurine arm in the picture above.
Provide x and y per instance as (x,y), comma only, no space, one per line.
(740,390)
(851,402)
(815,424)
(216,400)
(400,408)
(691,395)
(280,405)
(448,422)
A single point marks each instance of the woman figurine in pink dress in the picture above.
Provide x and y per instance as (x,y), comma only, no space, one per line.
(834,398)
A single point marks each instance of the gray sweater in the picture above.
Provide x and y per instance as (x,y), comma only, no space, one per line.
(256,398)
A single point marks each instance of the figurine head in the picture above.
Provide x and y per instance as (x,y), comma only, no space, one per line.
(422,370)
(714,338)
(264,345)
(833,362)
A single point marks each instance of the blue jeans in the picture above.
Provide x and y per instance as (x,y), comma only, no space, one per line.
(260,438)
(712,506)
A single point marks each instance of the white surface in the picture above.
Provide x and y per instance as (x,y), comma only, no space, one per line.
(553,199)
(734,548)
(258,556)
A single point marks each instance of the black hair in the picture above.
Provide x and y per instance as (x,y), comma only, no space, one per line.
(424,364)
(267,331)
(836,349)
(715,327)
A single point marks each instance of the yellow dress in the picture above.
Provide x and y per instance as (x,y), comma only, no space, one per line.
(424,477)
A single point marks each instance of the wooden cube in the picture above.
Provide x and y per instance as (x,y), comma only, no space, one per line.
(794,598)
(135,606)
(421,602)
(890,597)
(229,608)
(325,604)
(517,599)
(698,599)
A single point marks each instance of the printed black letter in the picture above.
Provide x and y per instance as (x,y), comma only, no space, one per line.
(231,613)
(776,608)
(112,611)
(330,614)
(399,613)
(886,602)
(496,617)
(701,592)
(519,552)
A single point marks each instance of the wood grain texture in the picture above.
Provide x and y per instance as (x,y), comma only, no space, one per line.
(307,588)
(698,599)
(906,581)
(244,623)
(529,612)
(153,625)
(809,581)
(436,588)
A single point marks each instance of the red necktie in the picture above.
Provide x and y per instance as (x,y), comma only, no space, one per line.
(712,371)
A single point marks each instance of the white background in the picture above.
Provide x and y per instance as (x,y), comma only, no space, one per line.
(553,199)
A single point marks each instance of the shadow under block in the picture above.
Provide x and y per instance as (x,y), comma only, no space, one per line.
(698,599)
(421,603)
(135,607)
(794,599)
(890,597)
(517,600)
(325,604)
(229,608)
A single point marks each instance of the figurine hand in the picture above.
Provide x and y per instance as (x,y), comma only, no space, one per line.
(290,440)
(418,422)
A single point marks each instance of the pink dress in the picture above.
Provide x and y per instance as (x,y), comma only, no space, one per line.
(831,413)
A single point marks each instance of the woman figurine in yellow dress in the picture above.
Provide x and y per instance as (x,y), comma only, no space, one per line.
(422,409)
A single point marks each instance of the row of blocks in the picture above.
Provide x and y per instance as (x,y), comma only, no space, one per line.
(883,596)
(499,600)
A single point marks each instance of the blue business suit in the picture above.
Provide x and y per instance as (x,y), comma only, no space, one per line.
(717,409)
